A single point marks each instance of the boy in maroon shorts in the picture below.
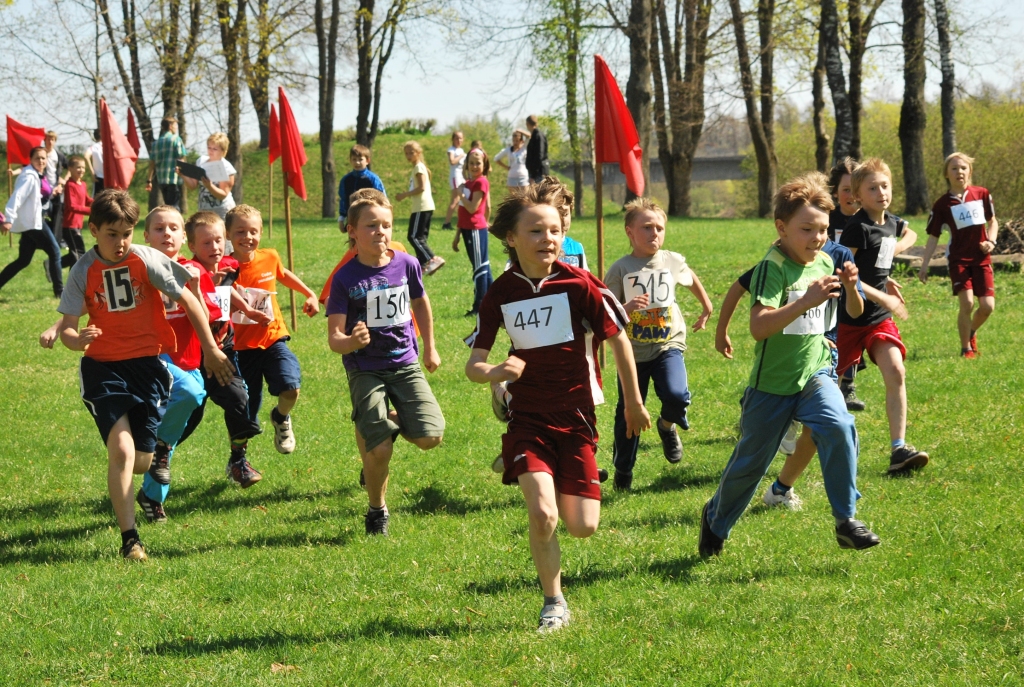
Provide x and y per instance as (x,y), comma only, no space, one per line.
(552,312)
(874,237)
(966,212)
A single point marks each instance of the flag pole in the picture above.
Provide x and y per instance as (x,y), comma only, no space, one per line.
(10,192)
(599,209)
(270,188)
(288,233)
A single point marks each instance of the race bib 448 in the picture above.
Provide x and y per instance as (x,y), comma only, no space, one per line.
(538,322)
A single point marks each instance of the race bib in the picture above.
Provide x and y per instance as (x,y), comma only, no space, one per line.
(811,322)
(658,284)
(538,322)
(257,299)
(117,286)
(222,297)
(886,252)
(387,307)
(968,214)
(839,235)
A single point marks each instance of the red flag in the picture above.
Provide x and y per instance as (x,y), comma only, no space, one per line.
(133,134)
(293,153)
(20,140)
(275,136)
(615,137)
(118,156)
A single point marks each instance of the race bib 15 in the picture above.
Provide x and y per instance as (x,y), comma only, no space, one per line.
(811,322)
(968,214)
(538,322)
(388,307)
(886,252)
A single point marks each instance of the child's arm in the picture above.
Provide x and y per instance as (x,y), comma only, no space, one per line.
(72,338)
(637,418)
(908,240)
(311,306)
(216,363)
(414,191)
(473,203)
(76,208)
(344,344)
(425,320)
(240,304)
(991,235)
(216,189)
(766,321)
(454,159)
(697,289)
(722,343)
(929,251)
(47,338)
(892,303)
(477,369)
(848,276)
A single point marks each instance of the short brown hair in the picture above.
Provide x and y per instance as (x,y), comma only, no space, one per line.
(359,150)
(838,171)
(202,217)
(362,199)
(809,190)
(113,206)
(242,210)
(163,208)
(550,191)
(869,166)
(640,205)
(531,120)
(165,124)
(75,158)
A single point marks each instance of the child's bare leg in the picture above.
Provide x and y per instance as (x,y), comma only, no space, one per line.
(542,505)
(453,203)
(890,363)
(963,320)
(580,515)
(986,305)
(120,467)
(375,468)
(286,401)
(797,462)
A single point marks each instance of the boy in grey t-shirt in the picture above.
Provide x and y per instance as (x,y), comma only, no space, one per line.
(645,283)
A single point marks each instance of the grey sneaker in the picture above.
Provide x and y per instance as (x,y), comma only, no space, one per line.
(377,522)
(853,404)
(906,457)
(553,617)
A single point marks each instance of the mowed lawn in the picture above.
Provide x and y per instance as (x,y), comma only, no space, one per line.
(278,584)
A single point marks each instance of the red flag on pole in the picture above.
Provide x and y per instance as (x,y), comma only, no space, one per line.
(133,134)
(293,153)
(615,137)
(118,156)
(275,136)
(20,140)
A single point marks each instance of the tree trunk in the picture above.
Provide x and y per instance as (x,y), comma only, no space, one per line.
(131,76)
(765,12)
(571,15)
(758,136)
(257,71)
(821,139)
(660,129)
(842,143)
(327,50)
(230,30)
(948,80)
(638,86)
(912,113)
(364,65)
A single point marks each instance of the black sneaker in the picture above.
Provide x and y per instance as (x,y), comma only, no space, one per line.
(709,544)
(377,521)
(134,551)
(852,534)
(241,472)
(671,446)
(906,457)
(447,226)
(602,475)
(623,481)
(160,468)
(153,510)
(853,404)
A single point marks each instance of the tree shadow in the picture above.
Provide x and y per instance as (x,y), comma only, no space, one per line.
(432,500)
(257,541)
(675,480)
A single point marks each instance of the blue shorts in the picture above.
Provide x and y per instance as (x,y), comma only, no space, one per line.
(138,387)
(276,365)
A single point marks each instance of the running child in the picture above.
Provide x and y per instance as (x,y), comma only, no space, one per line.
(966,212)
(422,209)
(875,237)
(645,283)
(456,178)
(76,207)
(23,216)
(552,313)
(359,178)
(262,349)
(473,225)
(369,322)
(124,383)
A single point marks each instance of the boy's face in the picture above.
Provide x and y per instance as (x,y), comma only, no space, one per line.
(112,240)
(38,161)
(208,245)
(166,233)
(875,192)
(373,232)
(647,233)
(803,235)
(538,236)
(359,162)
(958,171)
(50,141)
(77,170)
(245,234)
(848,205)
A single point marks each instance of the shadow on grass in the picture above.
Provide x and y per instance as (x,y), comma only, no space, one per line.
(256,541)
(650,521)
(674,480)
(49,545)
(431,500)
(676,570)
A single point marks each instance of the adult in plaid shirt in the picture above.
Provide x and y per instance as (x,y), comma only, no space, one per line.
(167,151)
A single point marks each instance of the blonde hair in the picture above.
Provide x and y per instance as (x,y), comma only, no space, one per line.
(160,209)
(638,206)
(203,217)
(417,149)
(873,165)
(957,156)
(221,140)
(362,199)
(808,190)
(246,211)
(550,192)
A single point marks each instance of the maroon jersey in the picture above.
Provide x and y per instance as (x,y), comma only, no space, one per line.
(966,218)
(554,324)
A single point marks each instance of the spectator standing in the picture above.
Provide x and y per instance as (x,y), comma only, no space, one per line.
(536,152)
(168,151)
(56,174)
(215,187)
(516,156)
(94,159)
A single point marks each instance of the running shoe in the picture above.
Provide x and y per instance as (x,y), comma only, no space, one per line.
(853,404)
(852,534)
(242,473)
(153,510)
(788,446)
(553,617)
(284,438)
(160,468)
(498,465)
(134,551)
(789,499)
(500,398)
(906,457)
(974,343)
(671,446)
(623,481)
(433,265)
(708,544)
(377,521)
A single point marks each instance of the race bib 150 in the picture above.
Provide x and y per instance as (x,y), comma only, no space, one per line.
(387,307)
(538,322)
(968,214)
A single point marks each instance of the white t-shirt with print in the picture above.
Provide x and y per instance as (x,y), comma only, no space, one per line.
(219,170)
(517,174)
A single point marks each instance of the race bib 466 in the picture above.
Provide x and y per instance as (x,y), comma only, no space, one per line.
(538,322)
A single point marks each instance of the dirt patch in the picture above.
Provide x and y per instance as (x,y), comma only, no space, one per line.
(1011,238)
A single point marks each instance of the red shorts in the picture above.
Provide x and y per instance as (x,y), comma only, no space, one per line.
(853,341)
(561,444)
(977,278)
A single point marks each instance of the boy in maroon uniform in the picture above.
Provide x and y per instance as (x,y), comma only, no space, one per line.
(552,312)
(966,212)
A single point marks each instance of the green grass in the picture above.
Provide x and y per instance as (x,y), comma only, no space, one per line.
(282,573)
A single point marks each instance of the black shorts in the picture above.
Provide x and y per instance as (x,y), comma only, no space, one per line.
(139,387)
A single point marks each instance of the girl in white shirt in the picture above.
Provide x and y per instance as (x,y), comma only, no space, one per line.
(215,193)
(456,158)
(516,156)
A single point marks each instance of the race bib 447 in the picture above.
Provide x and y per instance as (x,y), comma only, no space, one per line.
(538,322)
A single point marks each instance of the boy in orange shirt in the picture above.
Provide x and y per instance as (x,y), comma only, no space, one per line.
(263,352)
(124,383)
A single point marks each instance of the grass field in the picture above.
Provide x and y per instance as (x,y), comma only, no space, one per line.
(279,585)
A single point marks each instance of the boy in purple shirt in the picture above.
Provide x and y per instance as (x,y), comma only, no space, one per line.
(373,300)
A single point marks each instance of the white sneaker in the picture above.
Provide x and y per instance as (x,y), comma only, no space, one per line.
(790,500)
(433,265)
(553,617)
(500,398)
(788,446)
(284,438)
(498,465)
